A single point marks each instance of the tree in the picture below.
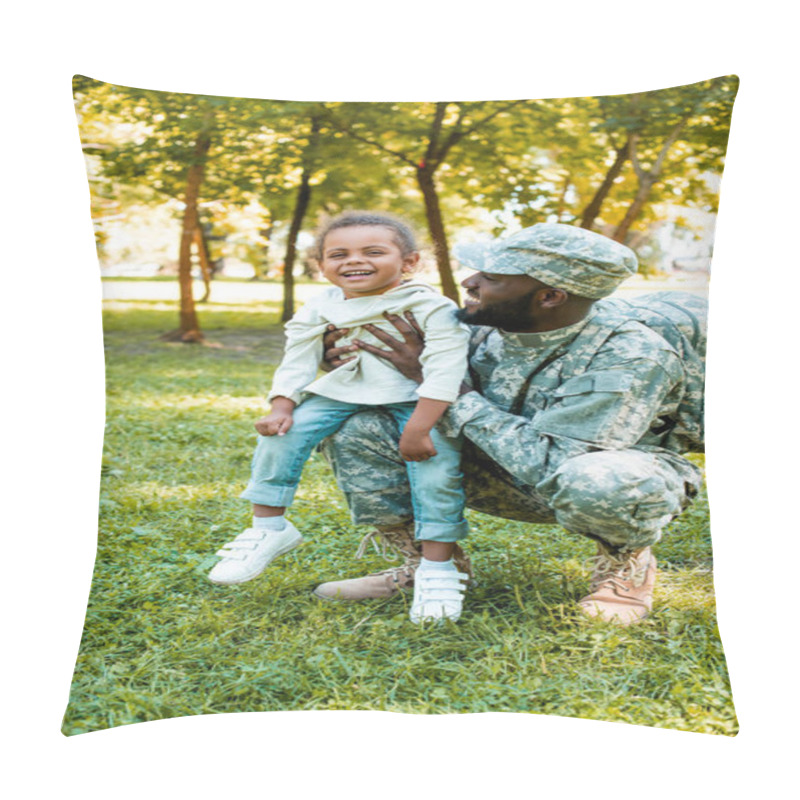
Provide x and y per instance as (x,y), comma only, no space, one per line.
(585,161)
(300,209)
(697,115)
(204,257)
(189,327)
(619,119)
(178,146)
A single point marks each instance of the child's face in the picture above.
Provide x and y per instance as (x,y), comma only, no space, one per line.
(364,260)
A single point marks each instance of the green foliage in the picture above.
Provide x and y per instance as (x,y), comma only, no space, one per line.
(161,641)
(494,164)
(678,139)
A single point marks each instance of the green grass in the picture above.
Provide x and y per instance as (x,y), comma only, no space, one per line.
(161,641)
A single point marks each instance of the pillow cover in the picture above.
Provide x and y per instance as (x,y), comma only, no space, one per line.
(205,209)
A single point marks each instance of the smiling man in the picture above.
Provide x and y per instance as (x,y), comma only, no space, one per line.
(574,412)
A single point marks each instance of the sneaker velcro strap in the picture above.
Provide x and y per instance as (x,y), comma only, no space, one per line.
(444,575)
(435,583)
(434,578)
(438,594)
(250,535)
(233,547)
(231,554)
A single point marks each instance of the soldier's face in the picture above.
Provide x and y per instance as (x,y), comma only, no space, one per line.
(501,301)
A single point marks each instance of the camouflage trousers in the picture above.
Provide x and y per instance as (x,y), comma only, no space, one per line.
(622,497)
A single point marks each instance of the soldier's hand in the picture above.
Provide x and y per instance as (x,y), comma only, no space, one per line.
(403,353)
(335,356)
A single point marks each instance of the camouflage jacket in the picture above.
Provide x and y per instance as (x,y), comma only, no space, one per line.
(605,383)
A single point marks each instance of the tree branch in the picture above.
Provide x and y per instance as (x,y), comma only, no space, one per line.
(431,156)
(637,167)
(456,135)
(671,139)
(675,133)
(350,132)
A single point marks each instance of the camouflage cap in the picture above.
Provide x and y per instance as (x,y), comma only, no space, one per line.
(562,256)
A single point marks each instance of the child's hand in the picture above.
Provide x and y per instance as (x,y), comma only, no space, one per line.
(275,424)
(416,445)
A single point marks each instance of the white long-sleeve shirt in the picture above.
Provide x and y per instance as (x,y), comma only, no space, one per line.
(369,379)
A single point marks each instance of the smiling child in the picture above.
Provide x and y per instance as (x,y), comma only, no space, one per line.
(367,258)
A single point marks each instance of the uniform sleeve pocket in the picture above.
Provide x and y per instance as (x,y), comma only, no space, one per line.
(589,384)
(586,407)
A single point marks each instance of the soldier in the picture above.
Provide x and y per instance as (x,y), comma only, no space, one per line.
(573,413)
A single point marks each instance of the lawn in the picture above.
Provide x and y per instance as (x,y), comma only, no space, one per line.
(161,641)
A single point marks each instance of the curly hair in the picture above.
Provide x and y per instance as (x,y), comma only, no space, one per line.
(402,233)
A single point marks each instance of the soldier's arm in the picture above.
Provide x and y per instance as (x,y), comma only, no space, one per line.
(609,407)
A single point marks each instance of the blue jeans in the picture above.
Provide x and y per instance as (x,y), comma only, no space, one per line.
(437,493)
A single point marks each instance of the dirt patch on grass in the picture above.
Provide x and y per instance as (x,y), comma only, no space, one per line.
(261,345)
(226,344)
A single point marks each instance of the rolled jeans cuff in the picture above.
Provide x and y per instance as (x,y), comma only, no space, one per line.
(441,531)
(271,495)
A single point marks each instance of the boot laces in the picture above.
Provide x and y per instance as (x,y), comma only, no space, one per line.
(393,545)
(397,572)
(372,539)
(622,570)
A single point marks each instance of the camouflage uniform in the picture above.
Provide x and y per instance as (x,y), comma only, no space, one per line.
(582,426)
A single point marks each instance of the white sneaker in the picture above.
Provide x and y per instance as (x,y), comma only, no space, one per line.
(438,595)
(249,553)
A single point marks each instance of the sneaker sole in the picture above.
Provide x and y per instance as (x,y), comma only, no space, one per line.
(433,620)
(249,577)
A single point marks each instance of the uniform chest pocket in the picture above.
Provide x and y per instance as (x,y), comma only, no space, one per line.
(586,407)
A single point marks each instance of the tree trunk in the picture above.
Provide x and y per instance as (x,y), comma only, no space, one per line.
(433,214)
(634,209)
(300,208)
(592,211)
(205,258)
(189,330)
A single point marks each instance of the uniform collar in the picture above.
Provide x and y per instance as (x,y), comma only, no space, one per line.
(545,338)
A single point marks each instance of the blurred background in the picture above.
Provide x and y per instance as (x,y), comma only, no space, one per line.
(225,193)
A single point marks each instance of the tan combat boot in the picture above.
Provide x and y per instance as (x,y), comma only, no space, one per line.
(622,585)
(400,540)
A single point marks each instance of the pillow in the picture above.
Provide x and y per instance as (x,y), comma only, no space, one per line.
(583,475)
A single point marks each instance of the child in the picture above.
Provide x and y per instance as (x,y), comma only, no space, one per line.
(366,257)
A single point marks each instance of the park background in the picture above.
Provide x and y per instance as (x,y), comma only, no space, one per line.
(231,180)
(207,187)
(71,304)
